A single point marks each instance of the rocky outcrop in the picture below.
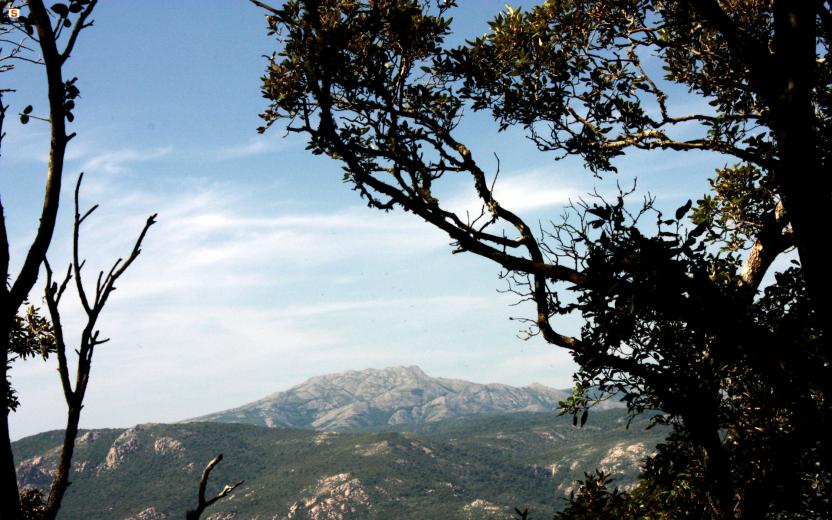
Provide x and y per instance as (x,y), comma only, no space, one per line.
(481,509)
(123,446)
(148,514)
(386,397)
(622,458)
(335,498)
(167,446)
(36,472)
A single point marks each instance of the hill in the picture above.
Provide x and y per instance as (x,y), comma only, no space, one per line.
(477,467)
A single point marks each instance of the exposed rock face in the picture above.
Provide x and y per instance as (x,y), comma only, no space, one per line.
(622,458)
(167,446)
(481,509)
(124,445)
(148,514)
(391,396)
(337,497)
(87,438)
(36,472)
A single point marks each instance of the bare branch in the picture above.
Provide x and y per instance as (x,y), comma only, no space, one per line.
(52,294)
(267,7)
(76,232)
(203,504)
(80,25)
(4,252)
(90,338)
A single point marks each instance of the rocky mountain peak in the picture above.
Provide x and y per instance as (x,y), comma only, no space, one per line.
(378,398)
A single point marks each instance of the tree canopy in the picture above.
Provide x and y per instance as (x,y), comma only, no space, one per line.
(679,315)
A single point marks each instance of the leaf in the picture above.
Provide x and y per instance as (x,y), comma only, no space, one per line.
(698,230)
(75,7)
(28,109)
(600,212)
(584,417)
(24,119)
(61,10)
(684,209)
(70,117)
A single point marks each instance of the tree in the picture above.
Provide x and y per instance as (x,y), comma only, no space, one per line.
(677,319)
(90,337)
(31,334)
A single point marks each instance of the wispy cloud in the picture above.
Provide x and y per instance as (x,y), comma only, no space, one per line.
(520,192)
(232,300)
(255,146)
(115,161)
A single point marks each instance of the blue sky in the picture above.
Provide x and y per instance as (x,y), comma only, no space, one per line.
(264,269)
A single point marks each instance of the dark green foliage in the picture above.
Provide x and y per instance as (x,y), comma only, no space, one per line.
(31,336)
(505,460)
(594,499)
(32,504)
(680,318)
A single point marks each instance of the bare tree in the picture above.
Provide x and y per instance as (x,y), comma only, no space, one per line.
(92,304)
(202,503)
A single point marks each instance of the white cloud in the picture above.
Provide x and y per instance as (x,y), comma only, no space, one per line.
(255,146)
(115,161)
(520,192)
(230,301)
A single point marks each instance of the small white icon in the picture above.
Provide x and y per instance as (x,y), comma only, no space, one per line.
(14,13)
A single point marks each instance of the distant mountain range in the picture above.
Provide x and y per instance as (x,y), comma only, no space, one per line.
(451,450)
(391,398)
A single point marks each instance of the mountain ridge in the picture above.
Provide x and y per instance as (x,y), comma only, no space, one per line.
(373,398)
(477,467)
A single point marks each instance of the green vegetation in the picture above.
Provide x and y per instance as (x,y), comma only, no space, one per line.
(505,460)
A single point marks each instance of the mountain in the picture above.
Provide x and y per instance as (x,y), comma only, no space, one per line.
(474,467)
(392,398)
(370,444)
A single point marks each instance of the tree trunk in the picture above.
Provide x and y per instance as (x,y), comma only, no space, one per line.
(705,434)
(9,493)
(799,174)
(60,482)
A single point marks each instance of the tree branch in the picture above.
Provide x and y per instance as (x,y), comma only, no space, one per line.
(52,61)
(80,24)
(747,48)
(772,240)
(203,504)
(267,7)
(52,296)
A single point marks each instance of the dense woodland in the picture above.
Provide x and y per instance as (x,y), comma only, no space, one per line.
(710,319)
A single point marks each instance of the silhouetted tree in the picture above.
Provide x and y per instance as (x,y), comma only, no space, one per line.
(677,317)
(45,32)
(30,334)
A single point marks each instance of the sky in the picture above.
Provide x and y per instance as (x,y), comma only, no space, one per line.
(264,269)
